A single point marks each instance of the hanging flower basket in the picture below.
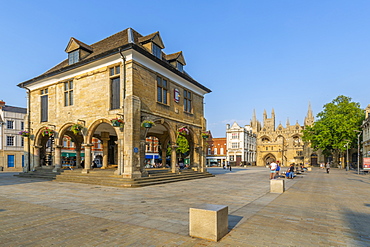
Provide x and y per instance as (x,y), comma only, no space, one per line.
(117,122)
(205,134)
(24,133)
(147,124)
(47,132)
(76,128)
(183,131)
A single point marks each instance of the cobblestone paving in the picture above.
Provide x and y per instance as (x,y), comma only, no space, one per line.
(319,209)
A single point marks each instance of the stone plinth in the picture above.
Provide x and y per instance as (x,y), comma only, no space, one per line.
(277,186)
(208,221)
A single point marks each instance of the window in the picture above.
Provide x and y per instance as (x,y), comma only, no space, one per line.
(22,125)
(157,51)
(115,87)
(221,150)
(180,67)
(73,57)
(22,141)
(162,90)
(235,145)
(44,105)
(187,101)
(235,136)
(10,140)
(10,124)
(68,93)
(215,151)
(209,151)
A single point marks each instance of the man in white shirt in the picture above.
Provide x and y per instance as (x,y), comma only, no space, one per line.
(273,167)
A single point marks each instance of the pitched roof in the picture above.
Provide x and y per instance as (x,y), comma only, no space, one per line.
(15,109)
(125,39)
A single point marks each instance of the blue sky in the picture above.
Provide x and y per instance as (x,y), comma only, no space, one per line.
(253,55)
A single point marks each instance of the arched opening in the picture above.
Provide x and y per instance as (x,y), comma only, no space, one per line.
(269,158)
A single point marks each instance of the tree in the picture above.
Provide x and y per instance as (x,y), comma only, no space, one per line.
(182,147)
(335,126)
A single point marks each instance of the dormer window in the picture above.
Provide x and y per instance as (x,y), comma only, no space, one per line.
(180,67)
(73,57)
(157,51)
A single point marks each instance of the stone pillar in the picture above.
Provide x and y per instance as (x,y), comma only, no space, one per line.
(164,153)
(36,157)
(87,158)
(78,158)
(202,158)
(105,138)
(131,140)
(58,158)
(174,169)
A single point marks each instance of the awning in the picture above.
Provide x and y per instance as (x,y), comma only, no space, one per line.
(151,156)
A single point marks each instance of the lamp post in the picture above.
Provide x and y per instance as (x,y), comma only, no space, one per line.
(347,159)
(358,150)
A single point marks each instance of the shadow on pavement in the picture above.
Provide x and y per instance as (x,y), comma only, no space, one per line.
(233,221)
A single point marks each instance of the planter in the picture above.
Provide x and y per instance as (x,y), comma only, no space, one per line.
(116,124)
(147,125)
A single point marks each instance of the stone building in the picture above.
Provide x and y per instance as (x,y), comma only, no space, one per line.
(12,121)
(283,143)
(216,151)
(126,79)
(241,143)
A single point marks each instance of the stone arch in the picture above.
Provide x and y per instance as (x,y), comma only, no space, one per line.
(268,158)
(92,128)
(265,138)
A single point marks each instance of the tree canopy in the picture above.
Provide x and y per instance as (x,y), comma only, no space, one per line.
(335,126)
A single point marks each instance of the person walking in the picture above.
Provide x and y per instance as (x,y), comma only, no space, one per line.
(327,167)
(273,167)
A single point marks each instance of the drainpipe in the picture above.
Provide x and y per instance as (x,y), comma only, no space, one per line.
(124,97)
(29,129)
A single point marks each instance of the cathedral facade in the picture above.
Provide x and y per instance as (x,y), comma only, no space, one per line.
(283,144)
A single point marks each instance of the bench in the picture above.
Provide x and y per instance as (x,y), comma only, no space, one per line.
(208,221)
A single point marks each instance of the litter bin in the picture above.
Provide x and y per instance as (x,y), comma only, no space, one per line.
(1,168)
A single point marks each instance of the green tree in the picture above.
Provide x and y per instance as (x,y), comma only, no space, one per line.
(182,147)
(335,126)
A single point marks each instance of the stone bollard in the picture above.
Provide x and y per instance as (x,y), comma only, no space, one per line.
(277,186)
(208,221)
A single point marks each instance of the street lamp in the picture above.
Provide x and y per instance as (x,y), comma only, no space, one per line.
(348,141)
(358,150)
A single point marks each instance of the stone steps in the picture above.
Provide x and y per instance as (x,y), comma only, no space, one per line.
(106,177)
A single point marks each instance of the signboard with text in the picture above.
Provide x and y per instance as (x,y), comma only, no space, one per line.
(366,164)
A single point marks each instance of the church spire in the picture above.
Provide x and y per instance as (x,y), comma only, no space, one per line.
(309,119)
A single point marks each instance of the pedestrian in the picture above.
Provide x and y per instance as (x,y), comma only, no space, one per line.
(277,171)
(272,166)
(327,167)
(291,171)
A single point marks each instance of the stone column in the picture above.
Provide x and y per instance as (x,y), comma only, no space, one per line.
(131,140)
(164,153)
(36,157)
(78,158)
(58,158)
(105,138)
(87,158)
(174,169)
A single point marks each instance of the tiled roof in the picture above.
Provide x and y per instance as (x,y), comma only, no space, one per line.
(109,46)
(15,109)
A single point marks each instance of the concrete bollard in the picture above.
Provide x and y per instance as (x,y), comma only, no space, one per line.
(277,186)
(208,221)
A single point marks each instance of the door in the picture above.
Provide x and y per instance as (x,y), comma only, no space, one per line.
(10,160)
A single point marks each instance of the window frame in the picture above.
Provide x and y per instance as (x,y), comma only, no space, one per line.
(188,98)
(162,90)
(157,51)
(68,88)
(10,124)
(10,141)
(73,57)
(114,74)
